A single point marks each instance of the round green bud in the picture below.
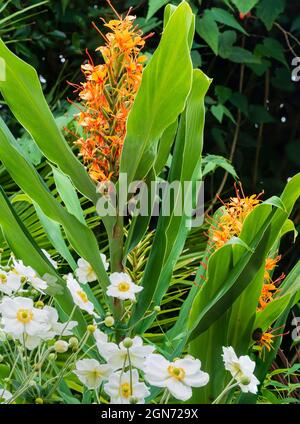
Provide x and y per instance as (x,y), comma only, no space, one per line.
(73,342)
(91,328)
(37,366)
(156,308)
(109,321)
(39,304)
(52,356)
(127,342)
(245,380)
(39,401)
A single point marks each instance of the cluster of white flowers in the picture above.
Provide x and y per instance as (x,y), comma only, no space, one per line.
(124,361)
(125,371)
(30,325)
(121,285)
(22,319)
(16,275)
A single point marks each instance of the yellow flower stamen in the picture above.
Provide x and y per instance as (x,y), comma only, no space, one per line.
(3,279)
(176,372)
(82,296)
(123,286)
(125,390)
(24,315)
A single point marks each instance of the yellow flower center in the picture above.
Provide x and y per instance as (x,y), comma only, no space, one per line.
(123,286)
(3,279)
(176,372)
(125,390)
(24,315)
(82,296)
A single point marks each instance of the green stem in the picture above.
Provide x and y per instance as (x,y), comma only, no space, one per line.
(114,228)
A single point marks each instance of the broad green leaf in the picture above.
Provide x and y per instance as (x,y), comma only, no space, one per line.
(265,318)
(271,48)
(162,95)
(211,162)
(140,223)
(268,11)
(208,346)
(240,55)
(23,94)
(291,283)
(226,18)
(172,230)
(218,112)
(55,236)
(244,6)
(164,147)
(154,6)
(68,194)
(30,149)
(226,42)
(207,28)
(237,281)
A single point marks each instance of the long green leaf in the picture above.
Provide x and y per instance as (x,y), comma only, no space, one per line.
(172,230)
(162,95)
(23,94)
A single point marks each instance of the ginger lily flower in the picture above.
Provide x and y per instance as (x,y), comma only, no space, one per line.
(107,96)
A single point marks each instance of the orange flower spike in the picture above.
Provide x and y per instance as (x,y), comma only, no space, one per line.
(107,96)
(231,222)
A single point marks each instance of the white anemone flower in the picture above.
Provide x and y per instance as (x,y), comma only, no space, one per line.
(57,328)
(85,273)
(91,373)
(123,387)
(178,376)
(241,369)
(122,287)
(30,275)
(117,355)
(105,348)
(79,296)
(21,318)
(10,282)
